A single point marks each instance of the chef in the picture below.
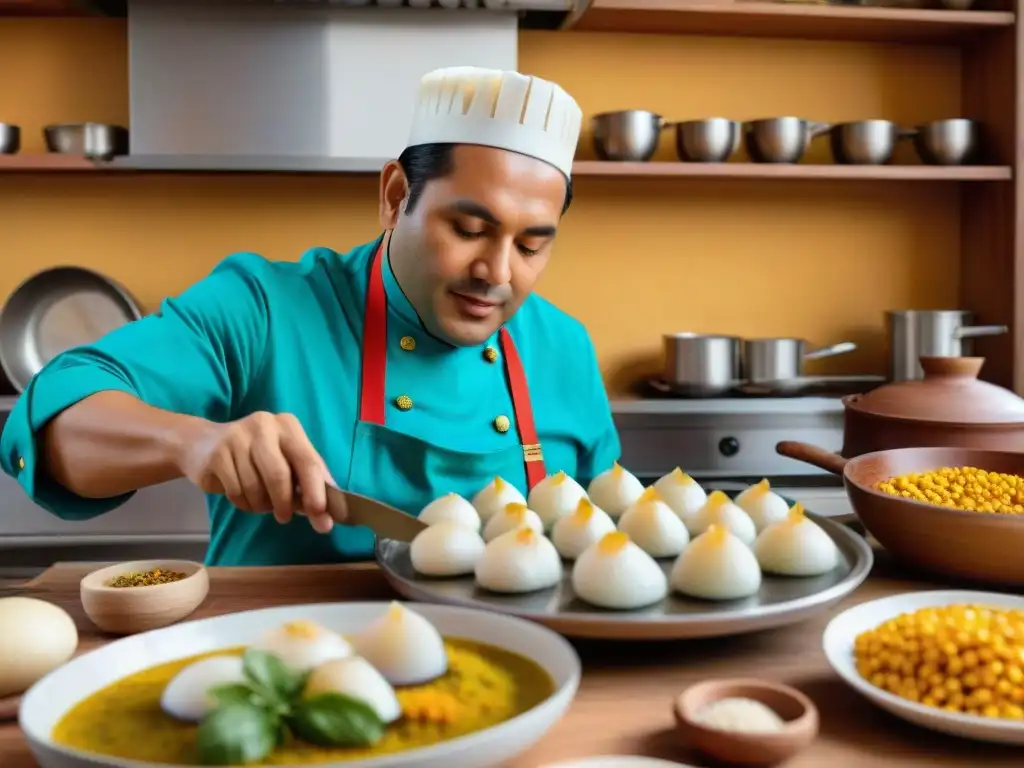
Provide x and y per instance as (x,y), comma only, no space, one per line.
(418,364)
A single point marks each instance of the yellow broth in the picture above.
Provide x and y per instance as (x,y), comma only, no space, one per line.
(484,686)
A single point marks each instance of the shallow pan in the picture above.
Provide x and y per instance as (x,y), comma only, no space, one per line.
(55,310)
(945,541)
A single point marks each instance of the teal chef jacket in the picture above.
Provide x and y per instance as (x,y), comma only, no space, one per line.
(285,337)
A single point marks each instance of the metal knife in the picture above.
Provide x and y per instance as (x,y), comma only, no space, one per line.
(386,522)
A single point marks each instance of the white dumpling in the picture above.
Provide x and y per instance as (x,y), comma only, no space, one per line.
(519,561)
(302,645)
(357,678)
(447,548)
(573,534)
(763,505)
(513,517)
(683,494)
(403,646)
(716,566)
(614,490)
(450,507)
(555,496)
(796,546)
(186,696)
(719,510)
(494,497)
(654,527)
(615,573)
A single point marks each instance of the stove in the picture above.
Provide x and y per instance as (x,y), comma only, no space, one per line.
(729,443)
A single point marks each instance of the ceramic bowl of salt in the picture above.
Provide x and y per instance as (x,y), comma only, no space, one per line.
(746,721)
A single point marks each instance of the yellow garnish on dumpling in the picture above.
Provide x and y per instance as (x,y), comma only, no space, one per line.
(584,511)
(681,477)
(796,514)
(616,468)
(612,543)
(716,534)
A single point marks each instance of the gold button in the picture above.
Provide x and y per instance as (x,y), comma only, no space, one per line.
(408,343)
(404,402)
(490,354)
(21,462)
(502,424)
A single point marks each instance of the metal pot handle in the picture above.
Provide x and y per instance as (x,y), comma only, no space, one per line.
(836,349)
(974,331)
(816,129)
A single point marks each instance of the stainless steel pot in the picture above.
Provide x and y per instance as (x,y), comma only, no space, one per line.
(10,139)
(780,139)
(771,360)
(96,141)
(630,136)
(713,140)
(947,142)
(698,365)
(914,334)
(865,142)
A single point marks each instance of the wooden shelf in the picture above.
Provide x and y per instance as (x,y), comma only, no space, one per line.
(66,164)
(750,18)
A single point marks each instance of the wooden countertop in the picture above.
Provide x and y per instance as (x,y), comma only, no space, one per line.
(624,702)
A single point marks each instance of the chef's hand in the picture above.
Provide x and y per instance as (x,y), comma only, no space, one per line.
(262,463)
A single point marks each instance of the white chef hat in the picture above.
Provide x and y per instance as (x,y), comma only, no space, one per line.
(495,108)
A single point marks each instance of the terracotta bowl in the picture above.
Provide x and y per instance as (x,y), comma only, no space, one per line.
(127,610)
(950,543)
(754,749)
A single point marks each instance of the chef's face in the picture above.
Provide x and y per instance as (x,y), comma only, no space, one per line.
(474,243)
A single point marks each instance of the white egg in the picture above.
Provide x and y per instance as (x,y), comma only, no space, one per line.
(719,510)
(186,697)
(357,678)
(573,534)
(654,527)
(513,517)
(615,573)
(683,494)
(494,497)
(614,490)
(519,561)
(555,496)
(446,549)
(796,546)
(302,645)
(450,508)
(403,646)
(763,505)
(716,566)
(36,637)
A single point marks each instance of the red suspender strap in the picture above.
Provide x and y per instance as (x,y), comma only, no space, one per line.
(372,392)
(533,457)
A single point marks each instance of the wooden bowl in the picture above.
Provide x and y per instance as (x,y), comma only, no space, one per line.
(127,610)
(754,749)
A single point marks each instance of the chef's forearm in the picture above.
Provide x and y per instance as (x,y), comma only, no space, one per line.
(112,443)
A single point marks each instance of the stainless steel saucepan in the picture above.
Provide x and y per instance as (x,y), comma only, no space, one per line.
(774,360)
(627,136)
(780,139)
(699,365)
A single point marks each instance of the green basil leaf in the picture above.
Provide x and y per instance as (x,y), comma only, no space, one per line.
(269,674)
(236,734)
(335,720)
(234,693)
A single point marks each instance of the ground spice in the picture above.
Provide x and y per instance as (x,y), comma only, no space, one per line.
(145,579)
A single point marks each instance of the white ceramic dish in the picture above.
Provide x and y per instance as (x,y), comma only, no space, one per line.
(844,628)
(47,701)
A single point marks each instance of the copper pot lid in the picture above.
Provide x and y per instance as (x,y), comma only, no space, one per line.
(950,393)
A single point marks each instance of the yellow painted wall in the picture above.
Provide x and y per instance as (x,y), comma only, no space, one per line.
(636,258)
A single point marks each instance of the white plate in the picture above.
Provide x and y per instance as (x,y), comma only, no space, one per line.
(48,700)
(844,628)
(616,761)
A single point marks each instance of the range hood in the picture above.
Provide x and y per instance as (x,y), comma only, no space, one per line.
(293,85)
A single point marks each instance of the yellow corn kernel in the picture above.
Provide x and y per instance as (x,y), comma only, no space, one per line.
(966,488)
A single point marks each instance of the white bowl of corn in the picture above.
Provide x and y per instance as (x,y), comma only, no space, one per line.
(951,661)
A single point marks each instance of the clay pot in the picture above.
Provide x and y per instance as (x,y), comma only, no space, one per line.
(950,407)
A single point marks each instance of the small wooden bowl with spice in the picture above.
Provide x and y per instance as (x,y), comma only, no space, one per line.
(746,721)
(143,594)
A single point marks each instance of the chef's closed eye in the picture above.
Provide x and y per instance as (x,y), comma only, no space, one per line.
(469,230)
